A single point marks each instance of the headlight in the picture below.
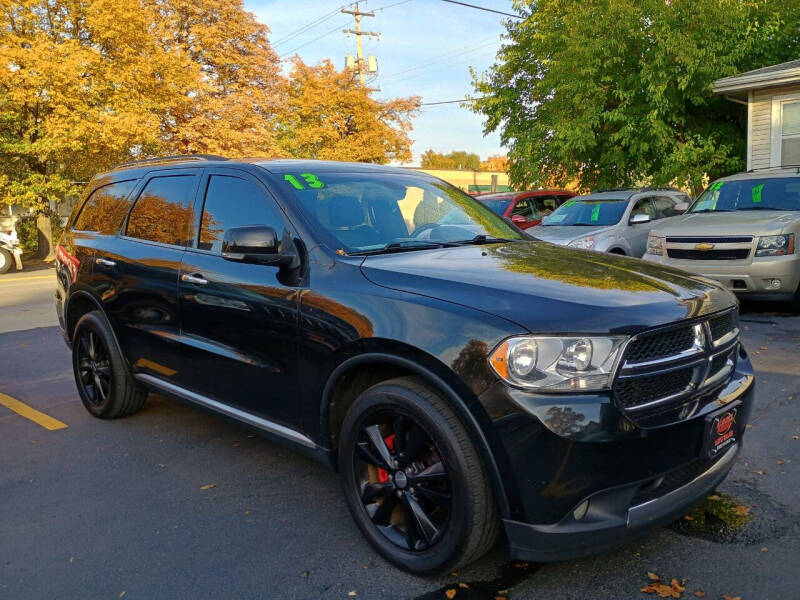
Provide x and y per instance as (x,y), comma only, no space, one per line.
(584,243)
(557,364)
(655,244)
(775,245)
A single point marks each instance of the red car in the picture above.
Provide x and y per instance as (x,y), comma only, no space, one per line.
(525,209)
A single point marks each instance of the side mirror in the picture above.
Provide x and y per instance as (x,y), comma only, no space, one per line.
(681,207)
(258,244)
(518,220)
(640,218)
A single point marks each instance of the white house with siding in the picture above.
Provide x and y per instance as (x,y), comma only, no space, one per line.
(772,97)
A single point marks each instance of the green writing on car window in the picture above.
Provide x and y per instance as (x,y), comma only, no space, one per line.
(716,186)
(595,213)
(293,180)
(312,180)
(569,203)
(756,192)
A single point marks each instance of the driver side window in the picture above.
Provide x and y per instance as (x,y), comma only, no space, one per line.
(643,206)
(523,208)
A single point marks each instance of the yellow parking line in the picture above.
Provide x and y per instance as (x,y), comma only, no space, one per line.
(31,414)
(51,276)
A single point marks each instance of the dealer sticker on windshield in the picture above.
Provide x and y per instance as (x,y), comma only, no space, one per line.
(721,431)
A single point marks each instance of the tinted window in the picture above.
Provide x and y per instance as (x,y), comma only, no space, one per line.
(643,206)
(587,211)
(163,211)
(234,202)
(105,208)
(365,211)
(497,206)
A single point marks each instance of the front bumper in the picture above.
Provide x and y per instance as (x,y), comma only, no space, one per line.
(611,520)
(750,278)
(560,452)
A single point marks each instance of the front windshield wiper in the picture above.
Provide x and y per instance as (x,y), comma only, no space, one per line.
(482,238)
(403,246)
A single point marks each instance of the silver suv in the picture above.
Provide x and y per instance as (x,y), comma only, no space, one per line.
(616,221)
(741,231)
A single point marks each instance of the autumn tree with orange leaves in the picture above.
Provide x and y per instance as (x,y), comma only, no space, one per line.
(87,84)
(329,115)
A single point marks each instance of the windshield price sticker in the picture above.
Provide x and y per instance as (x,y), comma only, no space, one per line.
(569,203)
(715,187)
(756,193)
(595,213)
(310,179)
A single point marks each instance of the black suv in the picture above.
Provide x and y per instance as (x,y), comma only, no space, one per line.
(466,380)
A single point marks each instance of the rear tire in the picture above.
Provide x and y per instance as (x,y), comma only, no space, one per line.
(434,479)
(105,385)
(6,261)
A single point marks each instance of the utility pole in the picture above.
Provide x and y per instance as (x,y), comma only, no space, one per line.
(361,65)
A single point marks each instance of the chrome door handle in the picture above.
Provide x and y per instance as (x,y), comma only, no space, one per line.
(105,262)
(195,279)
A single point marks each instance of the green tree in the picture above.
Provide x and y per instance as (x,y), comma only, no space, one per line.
(457,159)
(611,92)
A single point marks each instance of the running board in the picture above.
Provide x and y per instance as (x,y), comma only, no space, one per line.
(228,411)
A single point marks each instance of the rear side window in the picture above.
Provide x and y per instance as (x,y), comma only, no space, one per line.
(163,211)
(105,208)
(234,202)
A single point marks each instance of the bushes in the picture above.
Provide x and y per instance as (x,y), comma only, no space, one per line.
(28,234)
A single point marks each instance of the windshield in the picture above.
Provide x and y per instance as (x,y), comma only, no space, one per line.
(372,212)
(497,206)
(587,211)
(771,193)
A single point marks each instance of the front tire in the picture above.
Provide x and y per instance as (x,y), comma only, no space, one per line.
(6,261)
(105,385)
(414,481)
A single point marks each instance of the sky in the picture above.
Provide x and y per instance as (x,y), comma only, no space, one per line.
(426,48)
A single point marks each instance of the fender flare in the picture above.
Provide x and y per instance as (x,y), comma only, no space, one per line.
(99,306)
(474,429)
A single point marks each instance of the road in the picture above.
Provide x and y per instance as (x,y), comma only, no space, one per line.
(177,503)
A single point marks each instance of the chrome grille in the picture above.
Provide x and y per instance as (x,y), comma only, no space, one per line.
(736,247)
(668,367)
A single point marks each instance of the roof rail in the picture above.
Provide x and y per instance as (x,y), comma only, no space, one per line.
(172,157)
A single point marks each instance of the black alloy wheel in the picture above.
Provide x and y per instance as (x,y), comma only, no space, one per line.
(94,367)
(413,479)
(403,482)
(104,382)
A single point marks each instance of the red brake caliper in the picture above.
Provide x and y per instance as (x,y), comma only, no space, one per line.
(383,474)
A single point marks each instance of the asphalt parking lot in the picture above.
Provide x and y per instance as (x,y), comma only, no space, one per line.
(178,503)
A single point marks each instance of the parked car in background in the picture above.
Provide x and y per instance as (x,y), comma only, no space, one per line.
(525,209)
(615,221)
(10,252)
(742,231)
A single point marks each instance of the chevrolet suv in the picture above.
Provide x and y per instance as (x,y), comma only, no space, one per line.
(469,384)
(743,232)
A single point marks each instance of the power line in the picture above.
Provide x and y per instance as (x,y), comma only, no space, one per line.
(491,10)
(391,5)
(449,101)
(319,37)
(309,26)
(424,66)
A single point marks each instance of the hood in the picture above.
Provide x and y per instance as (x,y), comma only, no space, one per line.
(547,288)
(740,222)
(563,235)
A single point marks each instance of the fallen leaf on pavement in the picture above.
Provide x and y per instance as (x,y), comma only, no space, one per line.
(463,585)
(714,497)
(653,576)
(741,510)
(451,593)
(208,486)
(726,597)
(764,549)
(699,593)
(352,594)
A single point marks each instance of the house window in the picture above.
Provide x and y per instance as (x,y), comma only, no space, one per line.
(785,131)
(790,133)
